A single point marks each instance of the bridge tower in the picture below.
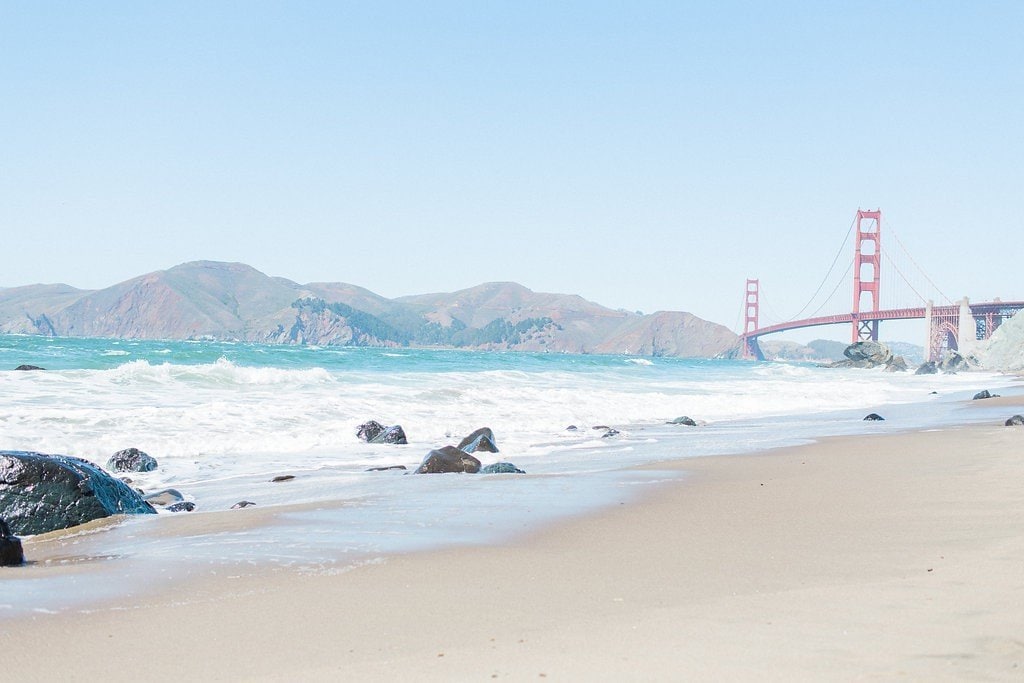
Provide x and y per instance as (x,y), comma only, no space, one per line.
(868,255)
(751,310)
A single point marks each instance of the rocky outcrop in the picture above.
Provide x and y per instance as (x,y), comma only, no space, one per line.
(394,435)
(448,459)
(501,468)
(375,432)
(368,430)
(11,552)
(131,460)
(952,362)
(480,440)
(164,498)
(869,354)
(41,493)
(927,368)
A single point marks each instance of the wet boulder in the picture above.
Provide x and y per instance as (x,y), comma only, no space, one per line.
(684,420)
(501,468)
(873,417)
(896,364)
(41,493)
(164,498)
(927,368)
(865,354)
(953,362)
(11,553)
(395,435)
(369,430)
(1015,421)
(29,367)
(480,440)
(131,460)
(984,393)
(448,459)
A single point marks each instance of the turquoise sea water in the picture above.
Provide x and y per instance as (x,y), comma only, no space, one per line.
(223,419)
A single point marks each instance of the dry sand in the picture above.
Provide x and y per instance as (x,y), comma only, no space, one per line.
(875,558)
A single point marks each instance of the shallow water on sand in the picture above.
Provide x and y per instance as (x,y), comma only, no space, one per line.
(224,419)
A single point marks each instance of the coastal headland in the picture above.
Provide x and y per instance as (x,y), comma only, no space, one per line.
(892,557)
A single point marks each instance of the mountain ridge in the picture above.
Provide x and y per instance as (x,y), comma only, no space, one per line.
(234,301)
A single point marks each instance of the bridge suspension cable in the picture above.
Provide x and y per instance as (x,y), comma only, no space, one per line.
(849,231)
(916,265)
(842,281)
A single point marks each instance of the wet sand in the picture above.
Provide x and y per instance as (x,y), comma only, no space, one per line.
(877,557)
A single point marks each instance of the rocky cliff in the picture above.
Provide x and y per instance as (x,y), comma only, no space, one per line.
(214,300)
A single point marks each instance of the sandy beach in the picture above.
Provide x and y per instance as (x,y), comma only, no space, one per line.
(894,557)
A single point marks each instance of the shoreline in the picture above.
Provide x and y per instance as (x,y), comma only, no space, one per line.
(894,555)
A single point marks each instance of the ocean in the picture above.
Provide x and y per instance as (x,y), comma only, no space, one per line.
(224,419)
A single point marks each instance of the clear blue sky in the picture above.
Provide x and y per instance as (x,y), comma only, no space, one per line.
(647,155)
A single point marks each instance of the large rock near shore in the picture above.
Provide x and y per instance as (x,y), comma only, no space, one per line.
(374,432)
(448,459)
(40,493)
(870,354)
(11,552)
(131,460)
(480,440)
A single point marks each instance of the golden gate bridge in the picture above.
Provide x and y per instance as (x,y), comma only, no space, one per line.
(950,324)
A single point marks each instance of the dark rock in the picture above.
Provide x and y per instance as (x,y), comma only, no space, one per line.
(927,368)
(242,504)
(183,506)
(953,362)
(1015,421)
(480,440)
(131,460)
(571,428)
(41,493)
(393,435)
(29,367)
(165,497)
(896,364)
(283,477)
(448,459)
(610,432)
(865,354)
(368,430)
(11,553)
(872,351)
(984,394)
(684,420)
(501,468)
(874,417)
(385,469)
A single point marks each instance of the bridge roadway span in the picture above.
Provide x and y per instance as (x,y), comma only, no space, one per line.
(999,308)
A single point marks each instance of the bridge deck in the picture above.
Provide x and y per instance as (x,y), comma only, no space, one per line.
(1004,308)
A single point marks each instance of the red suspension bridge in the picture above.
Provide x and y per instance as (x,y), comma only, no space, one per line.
(950,324)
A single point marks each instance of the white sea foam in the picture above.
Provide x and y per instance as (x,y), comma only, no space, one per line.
(228,420)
